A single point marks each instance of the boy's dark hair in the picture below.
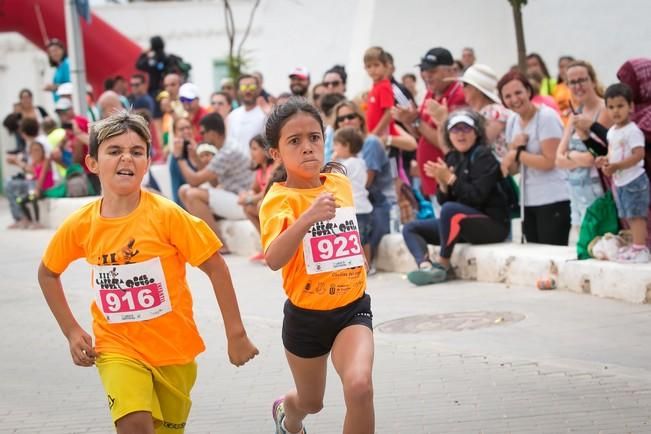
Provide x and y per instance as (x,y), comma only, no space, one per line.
(619,89)
(213,122)
(329,101)
(340,70)
(12,122)
(118,123)
(275,122)
(29,127)
(351,137)
(109,83)
(376,54)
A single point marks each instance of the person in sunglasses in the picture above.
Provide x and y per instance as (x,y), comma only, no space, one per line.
(473,208)
(189,97)
(246,121)
(334,80)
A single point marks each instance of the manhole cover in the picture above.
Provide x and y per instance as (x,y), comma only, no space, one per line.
(456,321)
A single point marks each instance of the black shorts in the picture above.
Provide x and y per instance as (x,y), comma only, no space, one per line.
(310,333)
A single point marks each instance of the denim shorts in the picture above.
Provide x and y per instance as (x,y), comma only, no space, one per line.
(582,194)
(633,198)
(364,227)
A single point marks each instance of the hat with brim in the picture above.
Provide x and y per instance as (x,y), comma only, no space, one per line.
(461,118)
(482,78)
(207,147)
(62,105)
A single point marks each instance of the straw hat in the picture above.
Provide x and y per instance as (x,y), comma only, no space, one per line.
(483,78)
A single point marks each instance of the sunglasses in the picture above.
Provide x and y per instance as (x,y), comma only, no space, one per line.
(248,87)
(332,83)
(185,100)
(461,128)
(578,82)
(348,117)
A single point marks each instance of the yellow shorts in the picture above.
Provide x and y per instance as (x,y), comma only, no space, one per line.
(164,391)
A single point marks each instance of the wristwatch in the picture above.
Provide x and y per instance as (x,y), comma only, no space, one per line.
(519,151)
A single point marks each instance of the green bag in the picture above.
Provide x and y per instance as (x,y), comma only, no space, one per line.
(600,218)
(75,184)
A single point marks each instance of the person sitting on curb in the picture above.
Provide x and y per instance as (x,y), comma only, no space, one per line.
(229,168)
(474,207)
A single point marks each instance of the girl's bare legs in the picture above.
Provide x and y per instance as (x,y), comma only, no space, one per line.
(307,398)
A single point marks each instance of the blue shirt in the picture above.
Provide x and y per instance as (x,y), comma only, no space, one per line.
(61,75)
(377,160)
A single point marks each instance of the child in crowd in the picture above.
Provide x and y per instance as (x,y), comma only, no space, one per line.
(264,167)
(205,152)
(40,169)
(309,229)
(625,163)
(380,99)
(137,244)
(348,142)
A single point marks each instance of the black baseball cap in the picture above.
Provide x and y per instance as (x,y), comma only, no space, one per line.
(435,57)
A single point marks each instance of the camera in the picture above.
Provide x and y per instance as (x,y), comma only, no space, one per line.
(186,146)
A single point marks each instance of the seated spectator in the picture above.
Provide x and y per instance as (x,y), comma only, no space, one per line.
(473,206)
(39,171)
(264,166)
(184,137)
(230,169)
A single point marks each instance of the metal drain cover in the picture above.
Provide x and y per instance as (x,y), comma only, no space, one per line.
(456,321)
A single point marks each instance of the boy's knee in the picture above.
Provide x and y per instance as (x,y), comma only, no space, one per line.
(137,422)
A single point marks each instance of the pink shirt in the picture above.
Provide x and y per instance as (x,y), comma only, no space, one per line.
(48,182)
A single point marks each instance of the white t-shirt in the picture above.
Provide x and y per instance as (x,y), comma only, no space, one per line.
(621,142)
(243,125)
(356,172)
(541,187)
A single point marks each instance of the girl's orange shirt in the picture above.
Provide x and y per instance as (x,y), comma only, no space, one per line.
(280,208)
(157,228)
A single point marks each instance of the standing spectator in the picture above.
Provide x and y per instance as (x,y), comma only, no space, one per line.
(263,92)
(480,91)
(58,58)
(572,154)
(299,81)
(534,134)
(468,57)
(535,63)
(221,103)
(562,93)
(189,97)
(246,121)
(108,104)
(625,163)
(380,98)
(172,83)
(446,92)
(334,80)
(118,84)
(536,80)
(318,91)
(139,96)
(229,170)
(474,209)
(409,82)
(157,64)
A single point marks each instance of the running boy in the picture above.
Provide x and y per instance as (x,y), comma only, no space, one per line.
(308,228)
(625,163)
(137,244)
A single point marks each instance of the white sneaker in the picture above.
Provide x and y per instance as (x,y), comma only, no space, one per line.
(634,256)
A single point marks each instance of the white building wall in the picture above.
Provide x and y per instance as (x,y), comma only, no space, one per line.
(318,34)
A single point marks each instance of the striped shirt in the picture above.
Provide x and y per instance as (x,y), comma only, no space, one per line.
(233,169)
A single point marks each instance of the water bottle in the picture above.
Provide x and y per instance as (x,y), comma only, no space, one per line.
(394,219)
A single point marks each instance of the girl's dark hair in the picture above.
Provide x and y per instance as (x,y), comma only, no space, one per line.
(543,65)
(559,79)
(27,91)
(511,76)
(277,120)
(479,127)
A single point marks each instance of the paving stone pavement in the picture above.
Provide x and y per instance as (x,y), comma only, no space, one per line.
(575,363)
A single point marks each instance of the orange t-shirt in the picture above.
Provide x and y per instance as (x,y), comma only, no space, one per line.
(328,290)
(157,232)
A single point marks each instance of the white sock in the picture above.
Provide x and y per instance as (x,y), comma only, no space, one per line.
(288,431)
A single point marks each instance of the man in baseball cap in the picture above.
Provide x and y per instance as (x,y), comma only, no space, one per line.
(299,81)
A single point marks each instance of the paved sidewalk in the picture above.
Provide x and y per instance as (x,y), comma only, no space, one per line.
(566,363)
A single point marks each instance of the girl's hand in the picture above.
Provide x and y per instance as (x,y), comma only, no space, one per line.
(601,161)
(81,347)
(322,209)
(241,350)
(610,169)
(582,122)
